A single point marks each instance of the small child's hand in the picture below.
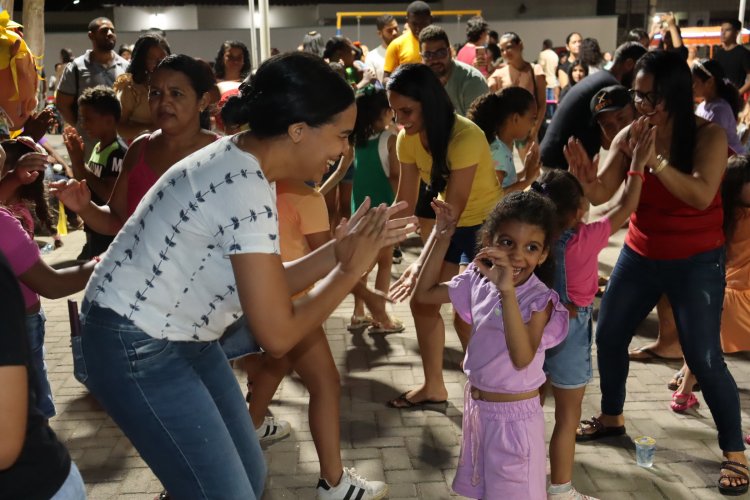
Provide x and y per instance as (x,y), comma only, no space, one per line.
(445,219)
(495,265)
(74,195)
(74,145)
(29,167)
(531,164)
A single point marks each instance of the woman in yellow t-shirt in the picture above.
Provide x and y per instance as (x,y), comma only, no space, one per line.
(450,154)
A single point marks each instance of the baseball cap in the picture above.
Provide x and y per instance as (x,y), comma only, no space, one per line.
(609,98)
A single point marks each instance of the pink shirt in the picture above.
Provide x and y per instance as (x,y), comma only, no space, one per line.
(582,261)
(467,54)
(487,362)
(20,250)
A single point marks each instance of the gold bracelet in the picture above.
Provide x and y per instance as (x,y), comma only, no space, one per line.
(663,162)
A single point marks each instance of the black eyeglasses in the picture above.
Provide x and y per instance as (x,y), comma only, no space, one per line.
(436,54)
(649,98)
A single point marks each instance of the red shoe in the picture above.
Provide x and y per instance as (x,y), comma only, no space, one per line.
(683,402)
(747,439)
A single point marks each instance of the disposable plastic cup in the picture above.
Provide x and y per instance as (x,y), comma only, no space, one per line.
(645,447)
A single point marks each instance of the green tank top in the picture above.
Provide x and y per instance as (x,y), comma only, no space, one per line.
(369,177)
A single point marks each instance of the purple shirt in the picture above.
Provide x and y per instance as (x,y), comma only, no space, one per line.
(487,362)
(720,112)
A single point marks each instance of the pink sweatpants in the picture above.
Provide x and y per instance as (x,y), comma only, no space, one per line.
(503,455)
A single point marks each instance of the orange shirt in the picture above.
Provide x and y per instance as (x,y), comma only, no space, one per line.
(302,211)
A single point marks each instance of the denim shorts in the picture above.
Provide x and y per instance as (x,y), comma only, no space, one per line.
(423,208)
(463,247)
(568,365)
(40,383)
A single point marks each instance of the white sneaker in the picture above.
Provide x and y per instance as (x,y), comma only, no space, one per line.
(352,487)
(272,429)
(571,494)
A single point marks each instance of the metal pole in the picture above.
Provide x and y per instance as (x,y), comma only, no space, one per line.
(253,35)
(265,31)
(741,17)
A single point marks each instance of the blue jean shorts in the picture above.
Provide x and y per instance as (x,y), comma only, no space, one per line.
(463,247)
(568,365)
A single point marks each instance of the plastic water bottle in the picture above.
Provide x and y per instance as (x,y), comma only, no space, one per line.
(48,248)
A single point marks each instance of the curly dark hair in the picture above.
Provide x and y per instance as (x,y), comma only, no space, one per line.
(101,99)
(35,194)
(219,68)
(527,207)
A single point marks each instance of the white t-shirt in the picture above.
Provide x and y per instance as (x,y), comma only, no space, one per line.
(168,269)
(376,59)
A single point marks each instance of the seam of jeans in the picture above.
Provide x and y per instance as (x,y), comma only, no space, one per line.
(156,415)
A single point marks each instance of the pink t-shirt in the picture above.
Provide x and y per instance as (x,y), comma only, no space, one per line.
(467,54)
(582,260)
(20,250)
(487,362)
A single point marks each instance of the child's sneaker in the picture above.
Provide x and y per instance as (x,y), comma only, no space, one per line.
(352,486)
(272,429)
(570,494)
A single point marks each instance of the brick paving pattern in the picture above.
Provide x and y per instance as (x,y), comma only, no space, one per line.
(414,451)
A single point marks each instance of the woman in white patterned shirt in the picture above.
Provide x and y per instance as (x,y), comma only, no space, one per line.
(202,249)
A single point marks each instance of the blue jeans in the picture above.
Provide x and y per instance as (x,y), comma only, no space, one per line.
(43,392)
(73,487)
(179,404)
(695,288)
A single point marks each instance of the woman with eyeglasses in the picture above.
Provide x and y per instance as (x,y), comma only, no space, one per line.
(674,246)
(450,154)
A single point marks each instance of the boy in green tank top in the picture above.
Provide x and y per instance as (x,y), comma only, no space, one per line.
(100,113)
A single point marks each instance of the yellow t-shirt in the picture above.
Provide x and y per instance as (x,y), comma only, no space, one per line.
(468,146)
(402,50)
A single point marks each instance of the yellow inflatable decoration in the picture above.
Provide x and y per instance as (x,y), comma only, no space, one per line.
(18,75)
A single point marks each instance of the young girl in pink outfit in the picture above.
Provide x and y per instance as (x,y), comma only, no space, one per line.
(576,253)
(515,317)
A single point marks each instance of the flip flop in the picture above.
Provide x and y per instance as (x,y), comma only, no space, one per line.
(742,473)
(401,403)
(396,327)
(646,354)
(600,431)
(359,322)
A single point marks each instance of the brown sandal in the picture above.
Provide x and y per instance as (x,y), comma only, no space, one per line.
(742,475)
(596,430)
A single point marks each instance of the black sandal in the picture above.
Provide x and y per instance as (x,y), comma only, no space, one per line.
(742,473)
(598,430)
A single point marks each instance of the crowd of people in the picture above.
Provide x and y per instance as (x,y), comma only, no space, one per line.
(228,211)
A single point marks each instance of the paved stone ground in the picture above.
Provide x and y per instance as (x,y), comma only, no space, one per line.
(414,451)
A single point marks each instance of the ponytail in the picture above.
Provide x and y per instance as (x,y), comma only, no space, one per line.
(491,110)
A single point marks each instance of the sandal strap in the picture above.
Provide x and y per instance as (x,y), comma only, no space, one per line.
(737,468)
(594,424)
